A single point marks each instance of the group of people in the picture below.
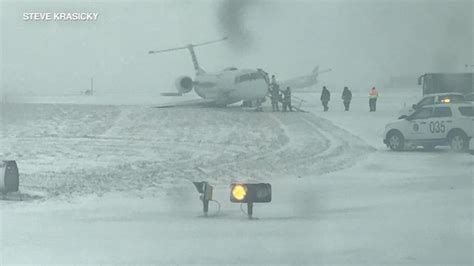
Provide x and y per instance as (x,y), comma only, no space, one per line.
(278,96)
(347,98)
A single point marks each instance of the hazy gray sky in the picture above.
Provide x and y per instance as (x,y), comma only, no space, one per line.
(364,42)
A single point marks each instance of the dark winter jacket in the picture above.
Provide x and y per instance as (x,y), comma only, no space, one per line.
(346,95)
(287,95)
(275,95)
(325,95)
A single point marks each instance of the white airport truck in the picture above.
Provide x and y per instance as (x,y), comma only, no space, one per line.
(433,83)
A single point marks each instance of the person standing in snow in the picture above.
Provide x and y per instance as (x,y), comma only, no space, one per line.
(274,94)
(287,100)
(325,97)
(346,98)
(373,95)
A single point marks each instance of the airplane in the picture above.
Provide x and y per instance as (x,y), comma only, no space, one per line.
(302,82)
(221,88)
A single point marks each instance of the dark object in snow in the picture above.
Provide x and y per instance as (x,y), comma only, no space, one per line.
(205,191)
(346,98)
(325,98)
(9,177)
(287,100)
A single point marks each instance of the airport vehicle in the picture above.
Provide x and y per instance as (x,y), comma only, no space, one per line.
(447,82)
(471,146)
(469,97)
(450,97)
(443,88)
(220,88)
(433,125)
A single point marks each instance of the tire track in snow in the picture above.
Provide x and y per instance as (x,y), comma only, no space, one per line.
(316,147)
(148,151)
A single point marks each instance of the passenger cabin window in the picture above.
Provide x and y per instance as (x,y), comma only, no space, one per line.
(422,114)
(466,111)
(249,77)
(442,112)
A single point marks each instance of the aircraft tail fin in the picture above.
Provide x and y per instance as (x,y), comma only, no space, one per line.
(190,47)
(315,70)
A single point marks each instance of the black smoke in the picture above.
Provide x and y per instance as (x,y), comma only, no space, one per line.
(233,22)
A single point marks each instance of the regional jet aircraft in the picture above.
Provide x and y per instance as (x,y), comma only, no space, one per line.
(222,88)
(303,81)
(230,85)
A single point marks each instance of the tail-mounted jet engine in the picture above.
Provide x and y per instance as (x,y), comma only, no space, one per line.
(184,84)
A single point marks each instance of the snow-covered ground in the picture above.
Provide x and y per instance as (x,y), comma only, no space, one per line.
(112,184)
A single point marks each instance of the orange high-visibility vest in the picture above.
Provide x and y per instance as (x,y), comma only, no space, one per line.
(373,93)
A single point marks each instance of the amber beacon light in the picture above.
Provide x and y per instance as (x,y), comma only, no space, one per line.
(250,193)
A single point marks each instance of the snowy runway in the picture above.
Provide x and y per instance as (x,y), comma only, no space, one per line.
(111,184)
(77,150)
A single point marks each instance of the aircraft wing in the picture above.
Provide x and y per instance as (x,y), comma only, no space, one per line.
(302,82)
(189,103)
(297,84)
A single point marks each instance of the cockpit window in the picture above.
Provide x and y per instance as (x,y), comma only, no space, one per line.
(242,78)
(249,77)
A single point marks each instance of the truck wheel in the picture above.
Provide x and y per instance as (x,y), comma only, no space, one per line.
(396,141)
(458,141)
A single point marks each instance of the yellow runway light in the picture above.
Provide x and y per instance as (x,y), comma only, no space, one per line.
(250,193)
(239,192)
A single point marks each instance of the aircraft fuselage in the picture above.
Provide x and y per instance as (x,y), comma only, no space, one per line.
(231,86)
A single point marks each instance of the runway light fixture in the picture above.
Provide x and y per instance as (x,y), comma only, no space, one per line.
(205,190)
(250,194)
(9,177)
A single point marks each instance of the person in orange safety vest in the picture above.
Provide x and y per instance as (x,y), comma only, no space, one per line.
(373,95)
